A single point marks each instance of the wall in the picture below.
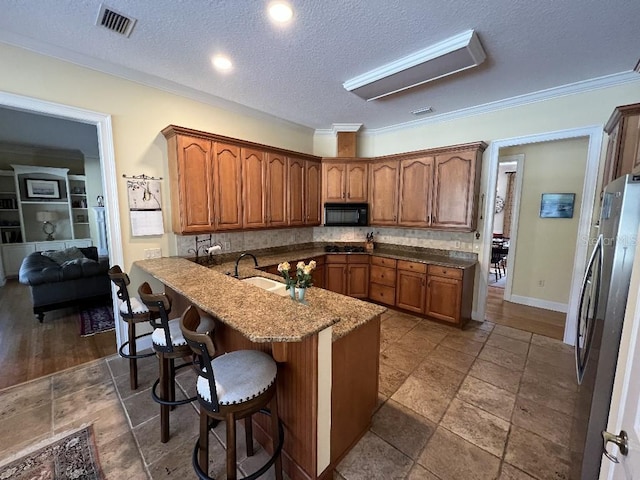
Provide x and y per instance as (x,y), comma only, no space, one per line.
(546,246)
(138,113)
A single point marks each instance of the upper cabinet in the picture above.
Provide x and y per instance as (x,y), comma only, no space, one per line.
(623,148)
(344,181)
(427,189)
(220,183)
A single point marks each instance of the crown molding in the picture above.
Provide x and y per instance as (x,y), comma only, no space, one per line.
(520,100)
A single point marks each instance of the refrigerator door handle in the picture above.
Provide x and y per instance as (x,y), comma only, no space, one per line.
(584,330)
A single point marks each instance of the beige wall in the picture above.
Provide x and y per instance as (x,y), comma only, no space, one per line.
(546,246)
(138,113)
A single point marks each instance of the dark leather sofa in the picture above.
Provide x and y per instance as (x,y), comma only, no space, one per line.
(57,285)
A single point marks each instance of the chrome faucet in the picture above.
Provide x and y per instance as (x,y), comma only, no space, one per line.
(245,254)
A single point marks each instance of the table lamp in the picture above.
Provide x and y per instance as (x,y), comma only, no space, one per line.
(47,217)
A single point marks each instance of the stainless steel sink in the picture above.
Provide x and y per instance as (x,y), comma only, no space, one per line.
(268,285)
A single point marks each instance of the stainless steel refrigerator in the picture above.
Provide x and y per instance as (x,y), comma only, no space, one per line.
(600,316)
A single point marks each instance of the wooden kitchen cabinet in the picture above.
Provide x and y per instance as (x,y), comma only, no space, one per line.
(347,274)
(456,185)
(416,182)
(449,294)
(383,196)
(313,184)
(382,280)
(296,192)
(623,147)
(255,189)
(411,286)
(276,191)
(206,176)
(345,181)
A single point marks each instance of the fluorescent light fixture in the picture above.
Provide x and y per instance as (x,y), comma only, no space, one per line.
(280,12)
(222,63)
(452,55)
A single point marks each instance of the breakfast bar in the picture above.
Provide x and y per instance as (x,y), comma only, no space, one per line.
(327,352)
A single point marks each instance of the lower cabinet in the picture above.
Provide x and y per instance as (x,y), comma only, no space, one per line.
(449,294)
(347,274)
(382,280)
(410,286)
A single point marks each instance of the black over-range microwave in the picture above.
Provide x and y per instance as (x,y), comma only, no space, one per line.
(346,214)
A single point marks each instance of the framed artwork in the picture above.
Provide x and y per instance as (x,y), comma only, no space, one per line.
(38,188)
(557,205)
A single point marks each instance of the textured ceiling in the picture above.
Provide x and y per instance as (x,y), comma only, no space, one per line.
(296,72)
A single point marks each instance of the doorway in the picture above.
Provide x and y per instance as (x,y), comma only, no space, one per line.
(583,209)
(102,124)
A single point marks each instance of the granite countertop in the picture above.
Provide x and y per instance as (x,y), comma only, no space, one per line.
(259,315)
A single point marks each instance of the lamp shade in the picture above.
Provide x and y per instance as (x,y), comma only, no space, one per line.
(46,216)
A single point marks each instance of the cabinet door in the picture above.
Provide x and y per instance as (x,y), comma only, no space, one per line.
(254,193)
(455,190)
(227,187)
(358,281)
(356,183)
(416,182)
(277,190)
(630,160)
(383,197)
(194,184)
(335,278)
(443,298)
(410,290)
(312,190)
(333,182)
(296,191)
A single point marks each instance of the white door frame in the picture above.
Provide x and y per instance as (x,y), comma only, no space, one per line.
(102,121)
(513,237)
(594,133)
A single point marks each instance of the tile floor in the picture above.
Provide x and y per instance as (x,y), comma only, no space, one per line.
(488,402)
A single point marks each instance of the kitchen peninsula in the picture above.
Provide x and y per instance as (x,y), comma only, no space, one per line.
(327,352)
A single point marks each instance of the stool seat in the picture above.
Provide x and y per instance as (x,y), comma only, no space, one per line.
(239,377)
(137,308)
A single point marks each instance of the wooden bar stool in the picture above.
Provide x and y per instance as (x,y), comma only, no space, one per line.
(232,387)
(168,344)
(132,311)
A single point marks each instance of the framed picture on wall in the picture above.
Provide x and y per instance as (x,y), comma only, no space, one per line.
(38,188)
(557,205)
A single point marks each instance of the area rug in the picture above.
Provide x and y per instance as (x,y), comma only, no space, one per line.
(96,320)
(72,456)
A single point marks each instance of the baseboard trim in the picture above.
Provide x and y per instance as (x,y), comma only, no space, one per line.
(539,303)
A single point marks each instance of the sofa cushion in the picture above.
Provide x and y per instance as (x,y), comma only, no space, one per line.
(63,256)
(37,268)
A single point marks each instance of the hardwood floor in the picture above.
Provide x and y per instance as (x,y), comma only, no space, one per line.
(30,349)
(532,319)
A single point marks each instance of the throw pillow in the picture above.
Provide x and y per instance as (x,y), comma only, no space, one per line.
(62,256)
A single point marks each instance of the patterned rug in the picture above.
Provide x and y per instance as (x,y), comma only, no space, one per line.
(96,320)
(73,456)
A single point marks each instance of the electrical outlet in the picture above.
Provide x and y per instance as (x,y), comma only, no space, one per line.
(152,253)
(541,283)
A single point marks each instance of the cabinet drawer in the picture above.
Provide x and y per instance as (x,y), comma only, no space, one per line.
(445,271)
(382,294)
(336,258)
(383,262)
(412,266)
(383,275)
(358,259)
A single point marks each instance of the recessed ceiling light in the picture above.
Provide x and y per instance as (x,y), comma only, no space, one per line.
(222,63)
(422,111)
(280,12)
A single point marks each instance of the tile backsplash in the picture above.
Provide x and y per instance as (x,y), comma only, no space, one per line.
(253,240)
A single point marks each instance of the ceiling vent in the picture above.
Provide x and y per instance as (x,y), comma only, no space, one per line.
(114,21)
(452,55)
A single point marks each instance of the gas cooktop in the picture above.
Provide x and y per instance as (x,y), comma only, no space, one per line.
(345,248)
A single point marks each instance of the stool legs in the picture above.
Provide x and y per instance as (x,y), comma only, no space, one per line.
(275,434)
(231,446)
(248,435)
(203,442)
(133,362)
(164,366)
